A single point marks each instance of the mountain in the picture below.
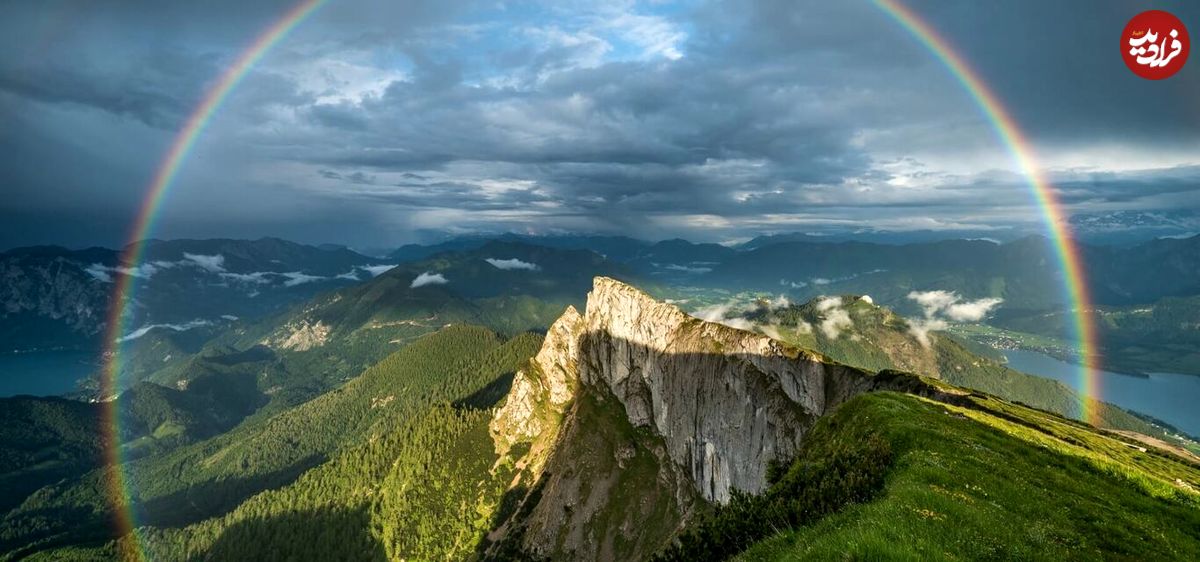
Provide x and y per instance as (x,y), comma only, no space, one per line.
(854,330)
(313,458)
(615,248)
(635,431)
(509,287)
(53,297)
(49,298)
(1132,227)
(1158,337)
(637,395)
(1144,273)
(44,440)
(678,260)
(1023,271)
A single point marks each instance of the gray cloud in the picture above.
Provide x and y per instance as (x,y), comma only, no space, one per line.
(709,119)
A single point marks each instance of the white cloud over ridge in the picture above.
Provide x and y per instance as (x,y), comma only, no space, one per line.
(215,263)
(147,270)
(176,327)
(298,278)
(942,307)
(726,314)
(732,314)
(428,278)
(512,264)
(834,317)
(104,273)
(377,270)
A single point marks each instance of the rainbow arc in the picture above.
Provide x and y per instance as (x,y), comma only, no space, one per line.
(1066,250)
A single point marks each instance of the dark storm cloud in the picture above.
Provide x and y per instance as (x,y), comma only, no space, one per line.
(710,118)
(1178,184)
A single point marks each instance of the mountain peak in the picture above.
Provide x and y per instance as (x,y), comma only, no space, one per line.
(698,410)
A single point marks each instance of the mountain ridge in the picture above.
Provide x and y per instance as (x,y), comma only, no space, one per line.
(704,410)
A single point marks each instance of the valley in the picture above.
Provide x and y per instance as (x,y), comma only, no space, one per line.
(458,417)
(335,425)
(596,281)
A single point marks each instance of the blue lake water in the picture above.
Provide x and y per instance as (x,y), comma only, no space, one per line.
(43,373)
(1170,397)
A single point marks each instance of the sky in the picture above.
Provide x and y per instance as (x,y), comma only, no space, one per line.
(376,123)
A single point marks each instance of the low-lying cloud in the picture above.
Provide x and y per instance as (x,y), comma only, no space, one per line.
(834,318)
(942,307)
(733,314)
(428,278)
(215,264)
(695,270)
(377,270)
(104,273)
(297,278)
(728,314)
(512,264)
(176,327)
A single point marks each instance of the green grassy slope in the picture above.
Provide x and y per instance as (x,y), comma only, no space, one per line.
(878,339)
(378,494)
(217,476)
(996,481)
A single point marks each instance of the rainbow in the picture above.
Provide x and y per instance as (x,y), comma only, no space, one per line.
(1067,251)
(120,495)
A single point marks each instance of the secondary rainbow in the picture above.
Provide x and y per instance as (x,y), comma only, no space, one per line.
(118,490)
(1067,252)
(1075,285)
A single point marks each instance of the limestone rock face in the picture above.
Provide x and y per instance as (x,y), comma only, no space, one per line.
(725,401)
(637,393)
(542,389)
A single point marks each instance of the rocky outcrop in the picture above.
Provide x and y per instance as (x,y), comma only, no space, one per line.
(541,391)
(725,401)
(301,335)
(636,393)
(49,300)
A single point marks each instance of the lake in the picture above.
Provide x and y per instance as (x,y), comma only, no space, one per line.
(1170,397)
(43,373)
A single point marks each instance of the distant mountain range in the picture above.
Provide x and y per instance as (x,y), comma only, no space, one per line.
(54,297)
(630,431)
(1025,272)
(1133,227)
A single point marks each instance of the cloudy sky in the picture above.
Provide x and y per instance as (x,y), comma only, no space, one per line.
(379,122)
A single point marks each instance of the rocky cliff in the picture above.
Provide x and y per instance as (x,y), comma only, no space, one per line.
(48,299)
(635,415)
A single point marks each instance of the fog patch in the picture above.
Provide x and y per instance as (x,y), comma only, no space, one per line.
(728,314)
(297,278)
(376,270)
(939,308)
(512,264)
(215,264)
(103,273)
(834,318)
(176,327)
(258,277)
(428,278)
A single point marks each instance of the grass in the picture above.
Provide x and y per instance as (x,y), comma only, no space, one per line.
(999,481)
